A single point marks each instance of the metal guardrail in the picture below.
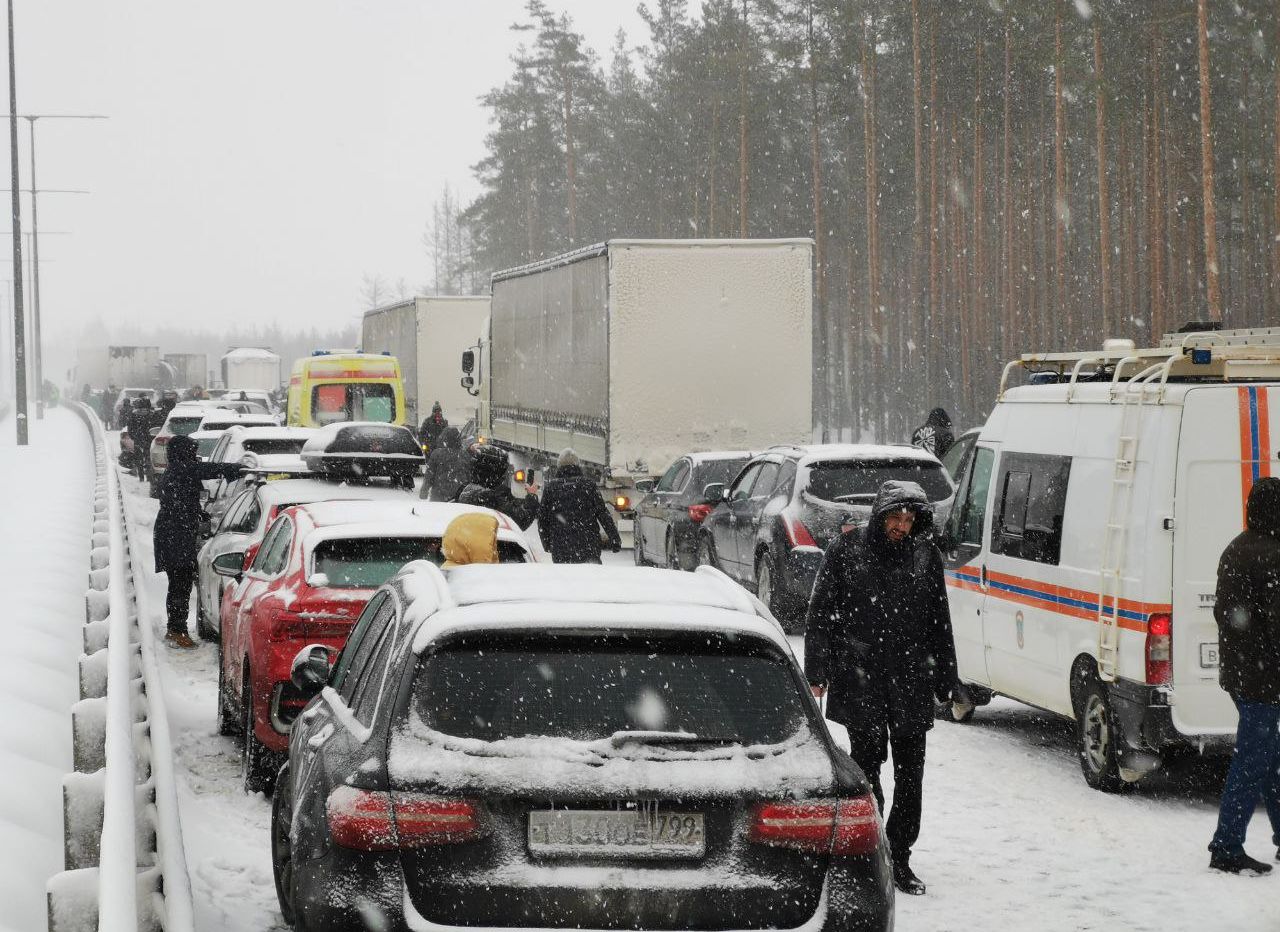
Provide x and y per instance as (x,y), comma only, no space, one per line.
(126,869)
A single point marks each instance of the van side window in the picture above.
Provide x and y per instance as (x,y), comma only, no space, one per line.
(1032,494)
(973,515)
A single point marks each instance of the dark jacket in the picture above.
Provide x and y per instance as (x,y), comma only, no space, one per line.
(935,434)
(878,630)
(137,425)
(432,427)
(1247,606)
(520,510)
(177,528)
(571,517)
(447,468)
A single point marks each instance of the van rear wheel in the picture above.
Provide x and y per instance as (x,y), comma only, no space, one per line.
(1097,734)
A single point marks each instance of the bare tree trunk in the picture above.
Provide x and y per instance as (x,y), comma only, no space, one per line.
(1274,318)
(1206,171)
(1006,324)
(874,317)
(933,323)
(916,329)
(713,149)
(743,213)
(978,281)
(815,153)
(571,162)
(1157,239)
(1062,309)
(1104,201)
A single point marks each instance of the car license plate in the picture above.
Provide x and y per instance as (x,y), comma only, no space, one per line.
(1209,655)
(616,833)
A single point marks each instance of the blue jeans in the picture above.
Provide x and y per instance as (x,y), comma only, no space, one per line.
(1255,771)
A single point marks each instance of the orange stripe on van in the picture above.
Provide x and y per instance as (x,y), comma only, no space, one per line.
(1264,432)
(1246,452)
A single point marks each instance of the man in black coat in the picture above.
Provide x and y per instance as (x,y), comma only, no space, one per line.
(432,427)
(447,468)
(177,529)
(1247,609)
(489,488)
(573,514)
(879,639)
(138,427)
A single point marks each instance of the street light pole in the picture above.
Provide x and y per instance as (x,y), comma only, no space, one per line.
(19,336)
(35,276)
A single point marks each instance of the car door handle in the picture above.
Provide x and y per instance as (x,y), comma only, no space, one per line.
(984,576)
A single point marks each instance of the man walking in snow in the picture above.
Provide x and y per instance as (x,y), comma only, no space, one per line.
(1247,609)
(573,515)
(432,427)
(447,467)
(878,639)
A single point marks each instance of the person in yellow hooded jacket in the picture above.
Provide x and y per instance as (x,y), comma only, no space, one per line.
(471,538)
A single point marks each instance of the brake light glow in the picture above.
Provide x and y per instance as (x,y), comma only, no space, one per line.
(698,513)
(622,503)
(1160,649)
(382,821)
(519,475)
(824,826)
(797,533)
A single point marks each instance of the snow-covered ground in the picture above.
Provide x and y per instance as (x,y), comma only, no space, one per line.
(46,499)
(1012,838)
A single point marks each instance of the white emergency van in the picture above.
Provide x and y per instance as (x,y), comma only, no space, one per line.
(1083,546)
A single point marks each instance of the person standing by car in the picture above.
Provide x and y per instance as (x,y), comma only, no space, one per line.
(879,640)
(488,487)
(447,468)
(432,427)
(177,528)
(935,435)
(109,407)
(1247,609)
(138,426)
(573,514)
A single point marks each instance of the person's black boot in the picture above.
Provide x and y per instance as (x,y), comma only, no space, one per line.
(906,880)
(1238,863)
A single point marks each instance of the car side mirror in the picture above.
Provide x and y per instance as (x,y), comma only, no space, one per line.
(714,492)
(468,361)
(645,486)
(309,672)
(229,564)
(318,580)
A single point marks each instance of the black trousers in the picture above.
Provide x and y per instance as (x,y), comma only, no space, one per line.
(870,746)
(177,600)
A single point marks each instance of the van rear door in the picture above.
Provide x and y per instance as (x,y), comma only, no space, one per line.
(1224,448)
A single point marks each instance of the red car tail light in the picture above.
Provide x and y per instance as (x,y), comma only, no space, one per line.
(1160,649)
(382,821)
(844,827)
(287,626)
(698,513)
(797,533)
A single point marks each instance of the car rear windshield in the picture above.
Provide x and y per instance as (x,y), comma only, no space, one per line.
(267,447)
(722,471)
(593,686)
(344,401)
(374,440)
(205,445)
(181,426)
(368,562)
(860,480)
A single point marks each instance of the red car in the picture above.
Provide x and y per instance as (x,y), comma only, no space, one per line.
(307,584)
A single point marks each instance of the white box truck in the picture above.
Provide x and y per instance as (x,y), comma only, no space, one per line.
(251,367)
(184,370)
(427,334)
(635,352)
(133,366)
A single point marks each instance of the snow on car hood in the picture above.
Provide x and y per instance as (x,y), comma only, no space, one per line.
(420,755)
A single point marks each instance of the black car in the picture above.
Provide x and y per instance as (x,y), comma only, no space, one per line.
(773,523)
(667,519)
(570,747)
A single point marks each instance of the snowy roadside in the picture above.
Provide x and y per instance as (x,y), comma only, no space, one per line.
(46,500)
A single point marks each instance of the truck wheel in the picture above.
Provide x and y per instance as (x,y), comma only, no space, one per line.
(1097,735)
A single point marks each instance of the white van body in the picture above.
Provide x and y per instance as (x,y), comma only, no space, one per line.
(1167,461)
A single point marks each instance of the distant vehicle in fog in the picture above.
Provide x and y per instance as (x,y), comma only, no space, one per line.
(250,367)
(667,519)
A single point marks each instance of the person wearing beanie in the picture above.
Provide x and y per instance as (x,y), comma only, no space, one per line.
(573,515)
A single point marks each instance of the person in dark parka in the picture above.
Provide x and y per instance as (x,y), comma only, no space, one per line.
(177,528)
(432,427)
(878,639)
(488,487)
(1247,609)
(935,435)
(573,514)
(447,468)
(138,427)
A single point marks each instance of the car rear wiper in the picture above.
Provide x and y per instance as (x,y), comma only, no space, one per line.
(619,738)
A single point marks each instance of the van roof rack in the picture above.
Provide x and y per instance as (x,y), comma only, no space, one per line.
(1204,355)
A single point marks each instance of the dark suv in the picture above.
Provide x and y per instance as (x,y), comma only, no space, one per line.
(774,522)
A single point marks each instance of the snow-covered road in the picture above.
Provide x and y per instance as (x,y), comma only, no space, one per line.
(46,501)
(1012,838)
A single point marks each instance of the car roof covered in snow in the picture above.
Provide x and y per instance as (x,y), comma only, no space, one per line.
(829,452)
(306,489)
(549,597)
(268,432)
(711,456)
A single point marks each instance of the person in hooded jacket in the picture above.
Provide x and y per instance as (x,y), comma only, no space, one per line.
(1247,610)
(470,539)
(138,427)
(878,645)
(935,435)
(447,468)
(572,515)
(432,427)
(177,529)
(488,486)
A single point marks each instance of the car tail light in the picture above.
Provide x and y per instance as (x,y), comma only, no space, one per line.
(382,821)
(844,826)
(698,513)
(622,502)
(286,626)
(797,533)
(1160,649)
(160,440)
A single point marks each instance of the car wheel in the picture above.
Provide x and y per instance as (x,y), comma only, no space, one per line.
(228,724)
(706,552)
(255,760)
(673,553)
(205,627)
(1097,735)
(281,844)
(637,544)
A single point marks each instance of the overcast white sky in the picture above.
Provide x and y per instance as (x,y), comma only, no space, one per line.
(261,155)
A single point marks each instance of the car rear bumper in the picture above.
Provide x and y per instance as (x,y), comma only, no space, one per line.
(1147,731)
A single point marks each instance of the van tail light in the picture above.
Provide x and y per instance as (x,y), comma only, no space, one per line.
(1160,649)
(824,826)
(366,820)
(797,533)
(698,513)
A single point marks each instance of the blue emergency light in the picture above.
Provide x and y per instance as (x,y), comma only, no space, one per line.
(1201,357)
